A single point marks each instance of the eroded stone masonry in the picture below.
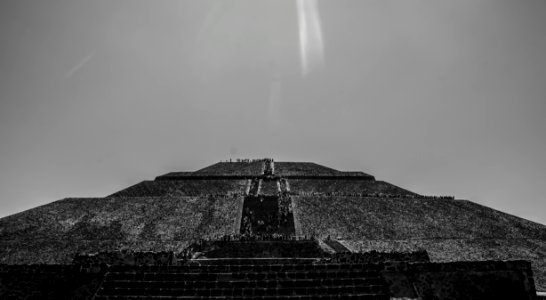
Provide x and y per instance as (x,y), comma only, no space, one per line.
(258,228)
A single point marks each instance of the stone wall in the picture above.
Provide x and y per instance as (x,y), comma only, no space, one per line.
(450,230)
(253,168)
(263,249)
(374,257)
(344,186)
(127,258)
(49,281)
(461,280)
(177,188)
(403,280)
(54,233)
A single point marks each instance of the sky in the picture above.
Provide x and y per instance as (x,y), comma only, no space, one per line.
(439,97)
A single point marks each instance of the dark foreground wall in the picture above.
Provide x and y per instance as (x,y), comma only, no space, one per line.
(49,281)
(449,230)
(402,280)
(461,280)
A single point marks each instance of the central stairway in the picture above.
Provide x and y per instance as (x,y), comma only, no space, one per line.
(267,261)
(264,249)
(245,279)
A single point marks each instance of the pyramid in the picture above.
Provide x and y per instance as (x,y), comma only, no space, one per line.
(283,211)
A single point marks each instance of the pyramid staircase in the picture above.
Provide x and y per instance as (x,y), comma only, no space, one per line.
(245,279)
(264,249)
(270,268)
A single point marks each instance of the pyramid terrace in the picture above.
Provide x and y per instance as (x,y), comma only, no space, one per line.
(258,228)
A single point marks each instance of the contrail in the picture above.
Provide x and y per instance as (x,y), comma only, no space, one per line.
(274,103)
(79,65)
(310,33)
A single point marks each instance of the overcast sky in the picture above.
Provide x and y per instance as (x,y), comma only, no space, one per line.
(440,97)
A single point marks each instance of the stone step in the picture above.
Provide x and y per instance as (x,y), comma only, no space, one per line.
(207,292)
(253,260)
(299,297)
(265,248)
(230,276)
(244,268)
(244,284)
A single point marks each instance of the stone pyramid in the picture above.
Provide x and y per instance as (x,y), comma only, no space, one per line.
(296,202)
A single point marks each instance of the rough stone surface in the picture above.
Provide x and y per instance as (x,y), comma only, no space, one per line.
(177,188)
(126,258)
(374,257)
(55,232)
(450,230)
(177,209)
(309,169)
(345,186)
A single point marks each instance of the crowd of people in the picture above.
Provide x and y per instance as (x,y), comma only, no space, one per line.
(374,195)
(249,160)
(215,195)
(284,195)
(260,237)
(269,167)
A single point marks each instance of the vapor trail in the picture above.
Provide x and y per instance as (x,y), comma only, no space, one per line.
(310,34)
(79,65)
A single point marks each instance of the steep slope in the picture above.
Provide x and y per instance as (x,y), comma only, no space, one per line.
(233,168)
(450,230)
(53,233)
(309,169)
(175,188)
(177,208)
(344,186)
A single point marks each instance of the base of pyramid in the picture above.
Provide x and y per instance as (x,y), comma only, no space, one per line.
(371,275)
(269,209)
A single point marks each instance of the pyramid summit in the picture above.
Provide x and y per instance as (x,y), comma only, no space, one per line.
(289,212)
